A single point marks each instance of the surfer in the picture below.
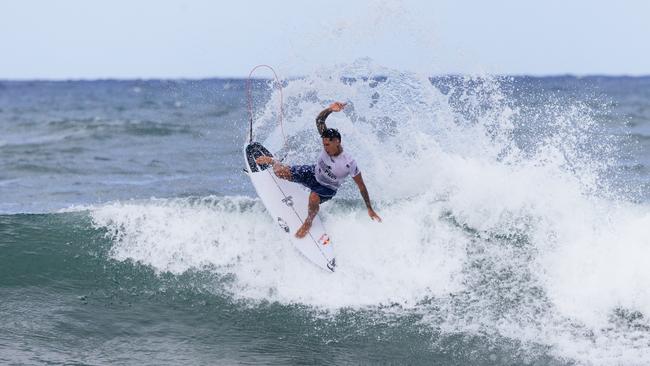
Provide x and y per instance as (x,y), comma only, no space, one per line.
(325,177)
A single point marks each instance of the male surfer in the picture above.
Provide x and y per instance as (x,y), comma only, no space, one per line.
(325,177)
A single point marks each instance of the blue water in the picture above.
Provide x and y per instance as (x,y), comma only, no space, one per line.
(515,226)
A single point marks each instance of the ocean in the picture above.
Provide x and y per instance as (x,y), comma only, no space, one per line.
(516,222)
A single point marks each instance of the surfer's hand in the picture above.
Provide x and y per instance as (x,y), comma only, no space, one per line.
(337,106)
(373,215)
(264,160)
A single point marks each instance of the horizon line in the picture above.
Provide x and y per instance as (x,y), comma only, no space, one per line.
(172,78)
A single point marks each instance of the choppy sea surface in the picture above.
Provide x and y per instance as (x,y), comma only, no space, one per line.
(516,222)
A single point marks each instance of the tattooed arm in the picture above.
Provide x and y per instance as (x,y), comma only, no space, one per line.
(322,116)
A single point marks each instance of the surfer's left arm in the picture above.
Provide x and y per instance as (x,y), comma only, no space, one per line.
(366,198)
(322,116)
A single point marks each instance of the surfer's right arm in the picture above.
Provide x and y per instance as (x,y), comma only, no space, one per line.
(322,116)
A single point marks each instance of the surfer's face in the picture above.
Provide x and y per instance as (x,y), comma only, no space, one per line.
(332,146)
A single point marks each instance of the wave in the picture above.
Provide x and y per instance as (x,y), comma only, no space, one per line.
(423,260)
(494,226)
(82,270)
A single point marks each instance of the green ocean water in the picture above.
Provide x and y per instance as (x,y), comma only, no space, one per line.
(65,301)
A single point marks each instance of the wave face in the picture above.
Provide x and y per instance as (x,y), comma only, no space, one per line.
(511,235)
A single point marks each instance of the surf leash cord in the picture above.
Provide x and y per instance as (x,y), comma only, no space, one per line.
(249,92)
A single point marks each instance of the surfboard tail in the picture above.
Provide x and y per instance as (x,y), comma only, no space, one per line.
(253,151)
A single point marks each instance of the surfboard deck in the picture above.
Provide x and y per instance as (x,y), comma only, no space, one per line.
(287,202)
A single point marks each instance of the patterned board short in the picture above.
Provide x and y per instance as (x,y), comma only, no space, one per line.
(304,174)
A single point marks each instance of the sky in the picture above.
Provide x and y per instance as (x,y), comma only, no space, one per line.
(80,39)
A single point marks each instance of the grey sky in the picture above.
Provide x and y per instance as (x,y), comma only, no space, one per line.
(174,38)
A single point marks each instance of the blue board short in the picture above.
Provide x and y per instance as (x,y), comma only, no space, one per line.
(304,174)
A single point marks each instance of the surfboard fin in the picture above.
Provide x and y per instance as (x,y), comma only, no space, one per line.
(331,264)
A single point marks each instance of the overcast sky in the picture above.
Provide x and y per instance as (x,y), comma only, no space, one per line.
(64,39)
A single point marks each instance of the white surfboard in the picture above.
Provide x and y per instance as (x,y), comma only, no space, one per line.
(287,202)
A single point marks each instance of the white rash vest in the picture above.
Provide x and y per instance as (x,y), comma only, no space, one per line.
(331,170)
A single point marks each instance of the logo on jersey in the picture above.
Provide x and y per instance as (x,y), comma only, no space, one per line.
(327,170)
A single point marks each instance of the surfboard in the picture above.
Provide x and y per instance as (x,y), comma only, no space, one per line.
(287,201)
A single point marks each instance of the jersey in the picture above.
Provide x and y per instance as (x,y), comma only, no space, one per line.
(331,170)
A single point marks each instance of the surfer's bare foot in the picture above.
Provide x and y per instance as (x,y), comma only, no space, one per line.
(264,160)
(304,229)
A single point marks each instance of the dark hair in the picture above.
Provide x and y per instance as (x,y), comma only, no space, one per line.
(331,133)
